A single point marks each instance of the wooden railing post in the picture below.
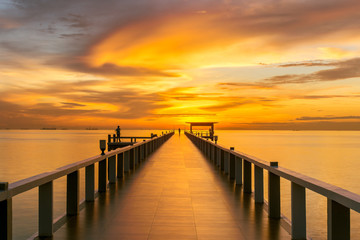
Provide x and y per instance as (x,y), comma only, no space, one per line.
(90,183)
(232,164)
(142,152)
(112,169)
(218,157)
(120,165)
(338,212)
(206,148)
(238,170)
(102,176)
(338,221)
(5,214)
(137,159)
(145,150)
(259,184)
(132,159)
(213,153)
(226,162)
(274,193)
(209,150)
(127,161)
(222,161)
(247,176)
(46,209)
(72,193)
(298,211)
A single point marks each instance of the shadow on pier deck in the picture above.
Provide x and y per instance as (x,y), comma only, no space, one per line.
(175,194)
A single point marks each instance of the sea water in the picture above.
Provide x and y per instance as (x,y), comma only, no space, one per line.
(330,156)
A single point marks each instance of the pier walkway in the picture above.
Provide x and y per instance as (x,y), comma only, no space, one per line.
(174,194)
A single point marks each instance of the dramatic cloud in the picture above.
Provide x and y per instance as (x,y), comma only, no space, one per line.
(341,70)
(97,62)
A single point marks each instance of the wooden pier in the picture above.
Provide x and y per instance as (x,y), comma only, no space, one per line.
(169,188)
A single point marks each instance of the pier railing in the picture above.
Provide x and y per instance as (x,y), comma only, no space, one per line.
(111,165)
(238,166)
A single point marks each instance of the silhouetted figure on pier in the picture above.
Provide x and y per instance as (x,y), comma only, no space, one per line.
(179,131)
(118,129)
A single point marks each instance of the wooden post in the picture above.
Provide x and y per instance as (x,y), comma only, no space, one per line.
(46,209)
(338,221)
(72,193)
(218,162)
(226,162)
(136,151)
(141,148)
(209,150)
(298,211)
(232,164)
(102,176)
(247,176)
(146,150)
(132,159)
(112,169)
(127,161)
(90,183)
(120,165)
(259,184)
(5,214)
(238,170)
(274,193)
(222,160)
(213,153)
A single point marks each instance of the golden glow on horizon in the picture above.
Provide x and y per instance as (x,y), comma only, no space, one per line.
(238,65)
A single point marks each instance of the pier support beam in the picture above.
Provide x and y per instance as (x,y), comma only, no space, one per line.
(5,215)
(338,221)
(90,183)
(259,184)
(238,170)
(247,176)
(298,211)
(72,193)
(46,210)
(274,193)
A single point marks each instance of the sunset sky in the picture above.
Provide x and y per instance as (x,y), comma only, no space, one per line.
(262,64)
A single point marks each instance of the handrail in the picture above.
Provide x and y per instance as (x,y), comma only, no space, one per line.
(339,200)
(137,152)
(343,196)
(37,180)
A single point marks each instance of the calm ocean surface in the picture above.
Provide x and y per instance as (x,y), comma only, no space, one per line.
(330,156)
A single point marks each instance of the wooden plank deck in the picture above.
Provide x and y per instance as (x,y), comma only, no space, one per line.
(175,194)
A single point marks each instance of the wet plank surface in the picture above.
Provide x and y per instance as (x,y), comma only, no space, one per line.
(175,194)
